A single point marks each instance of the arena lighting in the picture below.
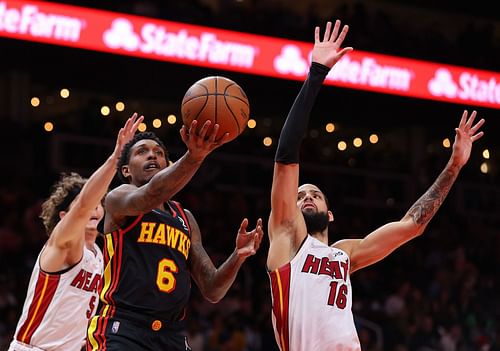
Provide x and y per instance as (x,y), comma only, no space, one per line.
(142,127)
(119,106)
(267,141)
(154,39)
(171,119)
(484,168)
(35,102)
(342,145)
(157,123)
(373,138)
(48,126)
(446,143)
(64,93)
(330,127)
(105,110)
(486,154)
(252,123)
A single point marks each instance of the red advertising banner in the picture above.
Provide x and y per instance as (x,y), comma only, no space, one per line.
(149,38)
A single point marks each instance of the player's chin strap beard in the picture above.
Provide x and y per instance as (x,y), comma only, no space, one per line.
(316,222)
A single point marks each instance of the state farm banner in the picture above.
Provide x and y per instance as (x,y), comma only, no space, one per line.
(149,38)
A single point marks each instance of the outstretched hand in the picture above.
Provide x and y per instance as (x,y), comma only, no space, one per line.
(326,51)
(466,134)
(201,143)
(126,133)
(247,243)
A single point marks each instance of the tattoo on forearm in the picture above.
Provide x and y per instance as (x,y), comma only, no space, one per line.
(426,207)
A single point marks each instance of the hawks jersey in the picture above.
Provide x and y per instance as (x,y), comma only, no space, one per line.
(146,270)
(312,300)
(58,306)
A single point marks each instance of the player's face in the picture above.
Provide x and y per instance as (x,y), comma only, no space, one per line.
(311,199)
(147,158)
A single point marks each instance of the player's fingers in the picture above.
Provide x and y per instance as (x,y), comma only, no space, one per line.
(328,29)
(192,127)
(316,35)
(213,134)
(476,126)
(223,139)
(244,225)
(343,52)
(335,32)
(136,124)
(342,35)
(183,132)
(477,136)
(463,119)
(470,121)
(204,129)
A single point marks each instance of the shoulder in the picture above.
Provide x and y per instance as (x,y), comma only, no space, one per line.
(346,245)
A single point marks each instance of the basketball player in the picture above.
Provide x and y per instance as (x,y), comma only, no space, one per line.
(154,245)
(310,280)
(63,289)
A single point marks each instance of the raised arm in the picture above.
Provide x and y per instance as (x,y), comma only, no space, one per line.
(215,282)
(389,237)
(286,224)
(65,244)
(129,200)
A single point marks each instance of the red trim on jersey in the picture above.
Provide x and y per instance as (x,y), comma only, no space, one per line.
(280,288)
(183,214)
(45,288)
(133,224)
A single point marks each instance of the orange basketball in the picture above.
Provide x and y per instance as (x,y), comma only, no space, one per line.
(217,99)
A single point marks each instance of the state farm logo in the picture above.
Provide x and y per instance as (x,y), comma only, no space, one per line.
(442,84)
(156,39)
(290,61)
(469,87)
(366,72)
(30,20)
(121,35)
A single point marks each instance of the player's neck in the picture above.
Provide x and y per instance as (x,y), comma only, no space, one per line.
(321,236)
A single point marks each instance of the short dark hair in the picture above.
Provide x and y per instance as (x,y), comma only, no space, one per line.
(125,155)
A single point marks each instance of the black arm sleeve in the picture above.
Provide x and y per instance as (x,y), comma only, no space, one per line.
(297,120)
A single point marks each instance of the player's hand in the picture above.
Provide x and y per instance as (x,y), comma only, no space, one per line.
(326,51)
(466,133)
(201,143)
(247,243)
(126,133)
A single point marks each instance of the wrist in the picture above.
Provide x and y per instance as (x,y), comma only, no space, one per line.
(193,158)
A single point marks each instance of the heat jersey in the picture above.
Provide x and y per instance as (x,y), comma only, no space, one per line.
(59,305)
(146,270)
(312,301)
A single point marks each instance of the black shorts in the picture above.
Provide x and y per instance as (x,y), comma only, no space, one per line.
(123,334)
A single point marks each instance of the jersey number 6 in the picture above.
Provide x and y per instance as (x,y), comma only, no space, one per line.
(165,279)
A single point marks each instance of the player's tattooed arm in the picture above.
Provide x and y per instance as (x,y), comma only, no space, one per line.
(426,207)
(465,135)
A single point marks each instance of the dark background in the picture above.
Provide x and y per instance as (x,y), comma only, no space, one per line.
(439,292)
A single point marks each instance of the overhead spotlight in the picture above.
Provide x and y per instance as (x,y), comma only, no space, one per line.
(64,93)
(35,102)
(342,145)
(357,142)
(446,143)
(484,168)
(171,119)
(48,126)
(119,106)
(267,141)
(157,123)
(105,110)
(373,138)
(486,154)
(252,123)
(142,127)
(330,127)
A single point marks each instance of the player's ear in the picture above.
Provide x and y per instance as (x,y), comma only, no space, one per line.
(330,216)
(62,214)
(125,171)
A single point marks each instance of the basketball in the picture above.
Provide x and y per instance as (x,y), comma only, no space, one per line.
(217,99)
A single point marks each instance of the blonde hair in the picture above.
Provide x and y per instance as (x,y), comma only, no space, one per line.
(63,193)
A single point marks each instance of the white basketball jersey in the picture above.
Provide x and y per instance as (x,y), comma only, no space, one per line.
(312,301)
(58,306)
